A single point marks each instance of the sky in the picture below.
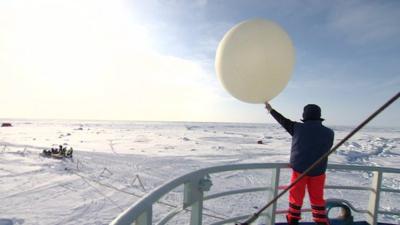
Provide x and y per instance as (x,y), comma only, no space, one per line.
(153,60)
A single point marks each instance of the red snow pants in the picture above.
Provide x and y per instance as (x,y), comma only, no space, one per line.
(315,187)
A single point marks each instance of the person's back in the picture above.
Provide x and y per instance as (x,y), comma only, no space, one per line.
(311,140)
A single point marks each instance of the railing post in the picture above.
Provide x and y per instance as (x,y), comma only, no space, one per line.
(193,197)
(145,218)
(374,197)
(268,216)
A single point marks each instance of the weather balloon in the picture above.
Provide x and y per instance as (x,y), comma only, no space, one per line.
(254,60)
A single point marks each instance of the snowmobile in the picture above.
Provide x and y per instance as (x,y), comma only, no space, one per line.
(55,153)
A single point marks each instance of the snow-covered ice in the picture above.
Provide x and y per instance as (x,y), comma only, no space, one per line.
(136,157)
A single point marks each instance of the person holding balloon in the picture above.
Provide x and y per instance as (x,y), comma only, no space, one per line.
(254,62)
(310,141)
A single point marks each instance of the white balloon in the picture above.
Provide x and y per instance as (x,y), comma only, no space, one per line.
(255,60)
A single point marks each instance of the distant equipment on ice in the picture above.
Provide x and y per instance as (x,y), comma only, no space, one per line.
(254,60)
(58,153)
(6,125)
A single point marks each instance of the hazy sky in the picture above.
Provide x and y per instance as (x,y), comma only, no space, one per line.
(154,59)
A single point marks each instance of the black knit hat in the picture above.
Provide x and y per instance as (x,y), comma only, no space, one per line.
(312,112)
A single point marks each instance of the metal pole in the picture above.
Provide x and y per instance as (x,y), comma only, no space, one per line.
(372,116)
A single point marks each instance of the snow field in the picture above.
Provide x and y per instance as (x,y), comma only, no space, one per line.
(117,162)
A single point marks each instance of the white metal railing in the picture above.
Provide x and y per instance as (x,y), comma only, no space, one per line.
(197,182)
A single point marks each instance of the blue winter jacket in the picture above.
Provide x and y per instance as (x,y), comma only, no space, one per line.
(310,140)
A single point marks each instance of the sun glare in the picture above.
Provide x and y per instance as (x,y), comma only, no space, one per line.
(71,53)
(55,48)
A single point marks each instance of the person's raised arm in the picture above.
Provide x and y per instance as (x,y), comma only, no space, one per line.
(286,123)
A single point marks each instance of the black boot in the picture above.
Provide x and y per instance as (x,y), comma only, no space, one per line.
(292,221)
